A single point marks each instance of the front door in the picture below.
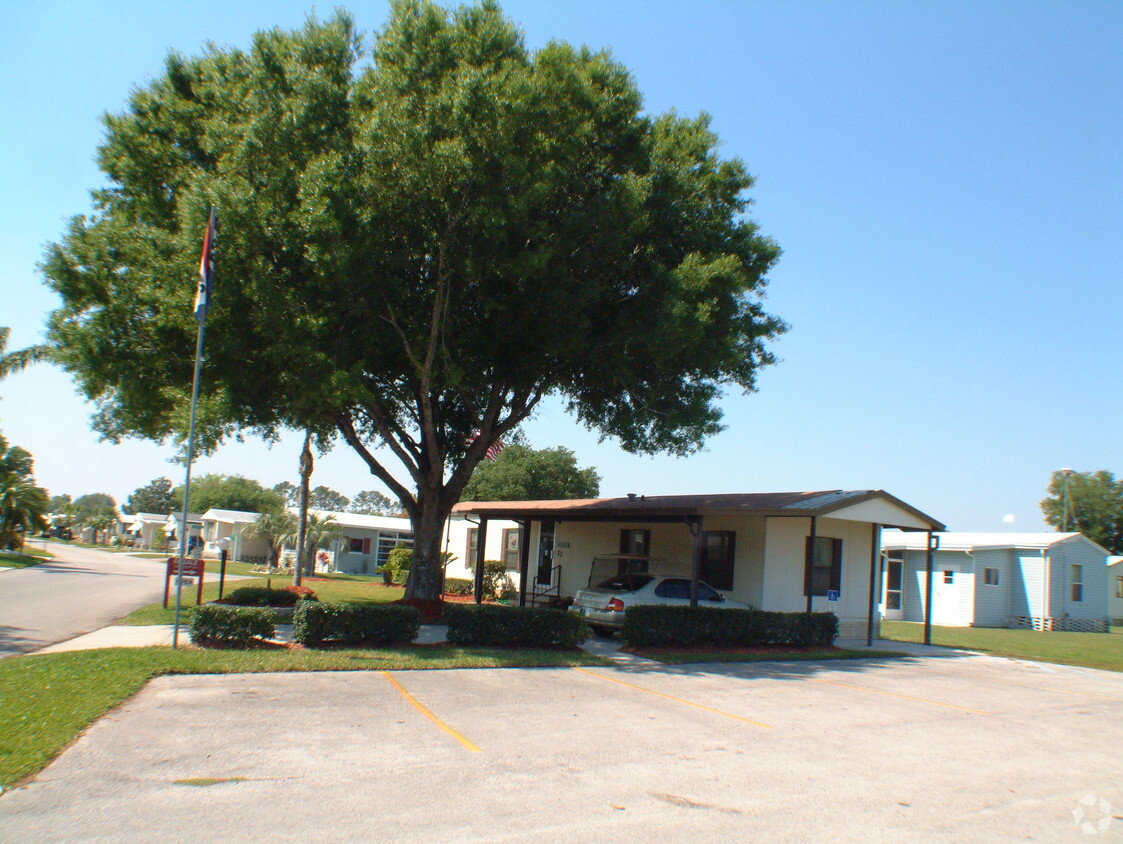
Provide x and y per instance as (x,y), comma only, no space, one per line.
(545,554)
(893,595)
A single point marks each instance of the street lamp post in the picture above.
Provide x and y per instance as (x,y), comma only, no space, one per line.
(1066,498)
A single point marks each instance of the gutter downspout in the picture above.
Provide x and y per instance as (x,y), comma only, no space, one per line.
(808,563)
(1045,591)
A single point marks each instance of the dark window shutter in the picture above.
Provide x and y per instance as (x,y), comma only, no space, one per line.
(366,545)
(836,565)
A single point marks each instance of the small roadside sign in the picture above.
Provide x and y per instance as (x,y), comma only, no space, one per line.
(832,595)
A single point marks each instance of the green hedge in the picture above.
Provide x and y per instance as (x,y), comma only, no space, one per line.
(469,624)
(654,625)
(215,624)
(387,624)
(458,586)
(261,596)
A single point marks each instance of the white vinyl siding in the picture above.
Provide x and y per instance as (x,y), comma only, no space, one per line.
(992,603)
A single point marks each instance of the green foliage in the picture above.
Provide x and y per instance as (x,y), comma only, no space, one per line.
(371,502)
(214,624)
(400,558)
(228,492)
(95,505)
(653,625)
(1094,508)
(277,529)
(495,577)
(261,596)
(458,586)
(513,220)
(314,624)
(469,624)
(325,498)
(521,473)
(155,497)
(23,505)
(289,493)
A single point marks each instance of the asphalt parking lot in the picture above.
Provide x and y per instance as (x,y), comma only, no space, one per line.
(965,748)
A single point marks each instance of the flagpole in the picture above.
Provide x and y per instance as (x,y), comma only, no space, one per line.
(187,482)
(202,302)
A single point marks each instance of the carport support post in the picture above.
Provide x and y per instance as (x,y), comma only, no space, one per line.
(524,559)
(928,591)
(875,555)
(699,535)
(809,565)
(481,541)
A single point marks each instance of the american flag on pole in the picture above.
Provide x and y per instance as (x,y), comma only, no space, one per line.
(493,450)
(206,269)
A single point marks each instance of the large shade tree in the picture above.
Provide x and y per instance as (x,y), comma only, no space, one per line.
(1088,502)
(522,473)
(417,246)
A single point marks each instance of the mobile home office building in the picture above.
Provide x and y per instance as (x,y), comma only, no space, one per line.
(790,552)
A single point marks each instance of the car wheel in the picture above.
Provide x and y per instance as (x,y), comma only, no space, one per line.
(603,632)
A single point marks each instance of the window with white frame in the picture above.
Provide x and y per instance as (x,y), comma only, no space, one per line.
(990,577)
(1076,583)
(1119,586)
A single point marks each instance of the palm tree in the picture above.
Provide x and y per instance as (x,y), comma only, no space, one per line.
(23,505)
(319,531)
(277,529)
(99,524)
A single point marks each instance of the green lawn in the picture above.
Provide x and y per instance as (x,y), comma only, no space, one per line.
(351,589)
(46,700)
(22,559)
(1091,650)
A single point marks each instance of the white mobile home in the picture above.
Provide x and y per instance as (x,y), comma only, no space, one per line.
(1115,589)
(796,551)
(1048,581)
(366,541)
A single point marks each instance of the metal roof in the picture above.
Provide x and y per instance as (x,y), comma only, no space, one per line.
(971,541)
(685,507)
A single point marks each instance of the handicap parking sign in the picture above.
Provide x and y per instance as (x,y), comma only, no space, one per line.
(832,594)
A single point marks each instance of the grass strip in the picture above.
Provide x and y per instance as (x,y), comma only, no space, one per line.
(686,657)
(1090,650)
(47,700)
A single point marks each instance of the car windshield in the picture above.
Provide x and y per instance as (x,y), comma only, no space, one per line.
(628,582)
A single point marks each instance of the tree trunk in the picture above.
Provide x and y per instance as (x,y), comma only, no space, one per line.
(426,571)
(305,482)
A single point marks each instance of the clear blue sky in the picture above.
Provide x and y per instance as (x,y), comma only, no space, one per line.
(946,181)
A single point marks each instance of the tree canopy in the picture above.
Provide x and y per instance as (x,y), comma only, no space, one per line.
(521,473)
(1094,506)
(417,246)
(371,502)
(228,492)
(326,498)
(94,506)
(154,497)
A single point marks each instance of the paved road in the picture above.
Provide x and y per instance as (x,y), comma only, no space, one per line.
(959,748)
(79,591)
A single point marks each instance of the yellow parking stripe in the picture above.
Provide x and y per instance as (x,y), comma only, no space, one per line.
(675,699)
(420,708)
(895,694)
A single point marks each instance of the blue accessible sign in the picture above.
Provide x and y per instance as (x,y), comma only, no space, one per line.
(832,594)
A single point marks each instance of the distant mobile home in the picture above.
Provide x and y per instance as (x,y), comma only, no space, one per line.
(1115,589)
(1047,581)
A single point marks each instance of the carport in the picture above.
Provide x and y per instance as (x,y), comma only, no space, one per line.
(773,523)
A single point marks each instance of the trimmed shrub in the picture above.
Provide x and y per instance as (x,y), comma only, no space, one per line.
(469,624)
(400,558)
(387,624)
(458,586)
(214,624)
(495,571)
(655,625)
(261,596)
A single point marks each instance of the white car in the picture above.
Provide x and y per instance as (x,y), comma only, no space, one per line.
(603,606)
